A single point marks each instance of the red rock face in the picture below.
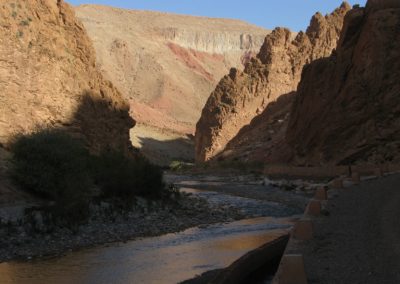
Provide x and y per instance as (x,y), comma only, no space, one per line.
(347,108)
(193,59)
(241,96)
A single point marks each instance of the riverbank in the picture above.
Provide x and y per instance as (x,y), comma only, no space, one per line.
(219,200)
(292,193)
(107,225)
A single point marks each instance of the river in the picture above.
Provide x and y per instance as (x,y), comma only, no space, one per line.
(170,258)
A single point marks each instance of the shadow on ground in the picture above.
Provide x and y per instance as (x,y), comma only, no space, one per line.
(163,153)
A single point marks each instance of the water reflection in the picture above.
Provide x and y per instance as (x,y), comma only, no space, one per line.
(248,206)
(166,259)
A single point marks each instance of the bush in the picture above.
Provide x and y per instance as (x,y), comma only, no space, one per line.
(55,166)
(179,166)
(123,178)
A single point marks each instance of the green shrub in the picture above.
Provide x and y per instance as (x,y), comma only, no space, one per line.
(54,165)
(123,178)
(24,23)
(175,166)
(180,166)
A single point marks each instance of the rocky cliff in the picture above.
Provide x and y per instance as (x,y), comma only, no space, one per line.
(48,77)
(347,106)
(276,71)
(166,65)
(263,140)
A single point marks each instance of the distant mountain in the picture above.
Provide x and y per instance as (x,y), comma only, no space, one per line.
(166,65)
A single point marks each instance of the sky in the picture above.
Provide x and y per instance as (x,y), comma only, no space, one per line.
(293,14)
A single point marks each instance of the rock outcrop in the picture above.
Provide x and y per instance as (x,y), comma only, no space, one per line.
(347,106)
(166,65)
(263,140)
(240,96)
(49,79)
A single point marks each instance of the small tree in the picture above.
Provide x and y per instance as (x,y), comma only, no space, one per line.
(54,165)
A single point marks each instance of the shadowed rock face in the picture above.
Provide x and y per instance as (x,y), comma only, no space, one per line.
(348,105)
(48,77)
(263,140)
(240,96)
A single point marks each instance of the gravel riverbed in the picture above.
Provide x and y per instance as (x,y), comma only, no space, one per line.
(146,219)
(27,240)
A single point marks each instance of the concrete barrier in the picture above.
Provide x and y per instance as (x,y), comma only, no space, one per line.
(368,170)
(378,172)
(305,172)
(337,183)
(291,270)
(285,171)
(355,177)
(392,168)
(313,208)
(321,194)
(303,230)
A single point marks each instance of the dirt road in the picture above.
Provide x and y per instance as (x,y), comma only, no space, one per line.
(360,241)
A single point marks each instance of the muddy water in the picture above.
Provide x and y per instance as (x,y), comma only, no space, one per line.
(169,258)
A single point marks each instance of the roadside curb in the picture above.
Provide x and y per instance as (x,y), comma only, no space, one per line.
(291,269)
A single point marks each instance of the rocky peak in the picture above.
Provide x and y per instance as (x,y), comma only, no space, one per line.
(276,71)
(323,31)
(346,109)
(382,4)
(279,38)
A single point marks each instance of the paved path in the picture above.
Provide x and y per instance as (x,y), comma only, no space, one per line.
(360,241)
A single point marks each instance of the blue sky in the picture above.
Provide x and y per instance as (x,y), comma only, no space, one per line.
(294,14)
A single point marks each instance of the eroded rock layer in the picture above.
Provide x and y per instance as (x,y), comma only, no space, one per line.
(49,79)
(347,107)
(240,96)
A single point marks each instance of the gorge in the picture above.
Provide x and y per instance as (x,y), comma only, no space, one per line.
(166,65)
(98,104)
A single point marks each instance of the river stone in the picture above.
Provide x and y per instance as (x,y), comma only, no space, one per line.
(38,221)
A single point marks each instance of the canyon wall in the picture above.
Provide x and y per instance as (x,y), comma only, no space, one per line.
(347,106)
(241,96)
(49,79)
(166,65)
